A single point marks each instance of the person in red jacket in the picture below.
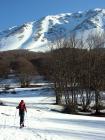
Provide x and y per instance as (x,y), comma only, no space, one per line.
(22,109)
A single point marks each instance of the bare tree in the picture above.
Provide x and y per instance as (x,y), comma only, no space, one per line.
(25,71)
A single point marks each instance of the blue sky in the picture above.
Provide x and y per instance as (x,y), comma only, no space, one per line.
(17,12)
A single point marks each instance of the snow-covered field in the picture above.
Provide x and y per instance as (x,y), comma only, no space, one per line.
(42,123)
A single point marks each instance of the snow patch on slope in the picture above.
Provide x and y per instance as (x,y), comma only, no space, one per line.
(16,38)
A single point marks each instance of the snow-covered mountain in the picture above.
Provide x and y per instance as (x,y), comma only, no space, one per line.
(37,35)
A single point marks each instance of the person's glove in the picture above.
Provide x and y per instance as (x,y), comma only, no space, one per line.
(17,107)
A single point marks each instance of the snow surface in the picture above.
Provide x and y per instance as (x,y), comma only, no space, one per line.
(37,35)
(41,122)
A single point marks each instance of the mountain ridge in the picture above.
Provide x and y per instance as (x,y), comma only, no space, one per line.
(37,35)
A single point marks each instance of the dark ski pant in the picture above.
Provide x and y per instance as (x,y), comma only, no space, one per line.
(21,114)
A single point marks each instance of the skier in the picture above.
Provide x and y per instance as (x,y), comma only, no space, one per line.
(22,109)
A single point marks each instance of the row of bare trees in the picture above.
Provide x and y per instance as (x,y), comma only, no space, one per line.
(77,69)
(19,64)
(76,66)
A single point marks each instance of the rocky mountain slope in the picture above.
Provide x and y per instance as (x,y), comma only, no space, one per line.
(37,35)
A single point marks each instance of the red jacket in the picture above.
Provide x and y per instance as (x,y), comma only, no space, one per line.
(22,106)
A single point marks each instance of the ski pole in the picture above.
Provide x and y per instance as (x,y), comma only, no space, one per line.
(15,116)
(4,121)
(26,119)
